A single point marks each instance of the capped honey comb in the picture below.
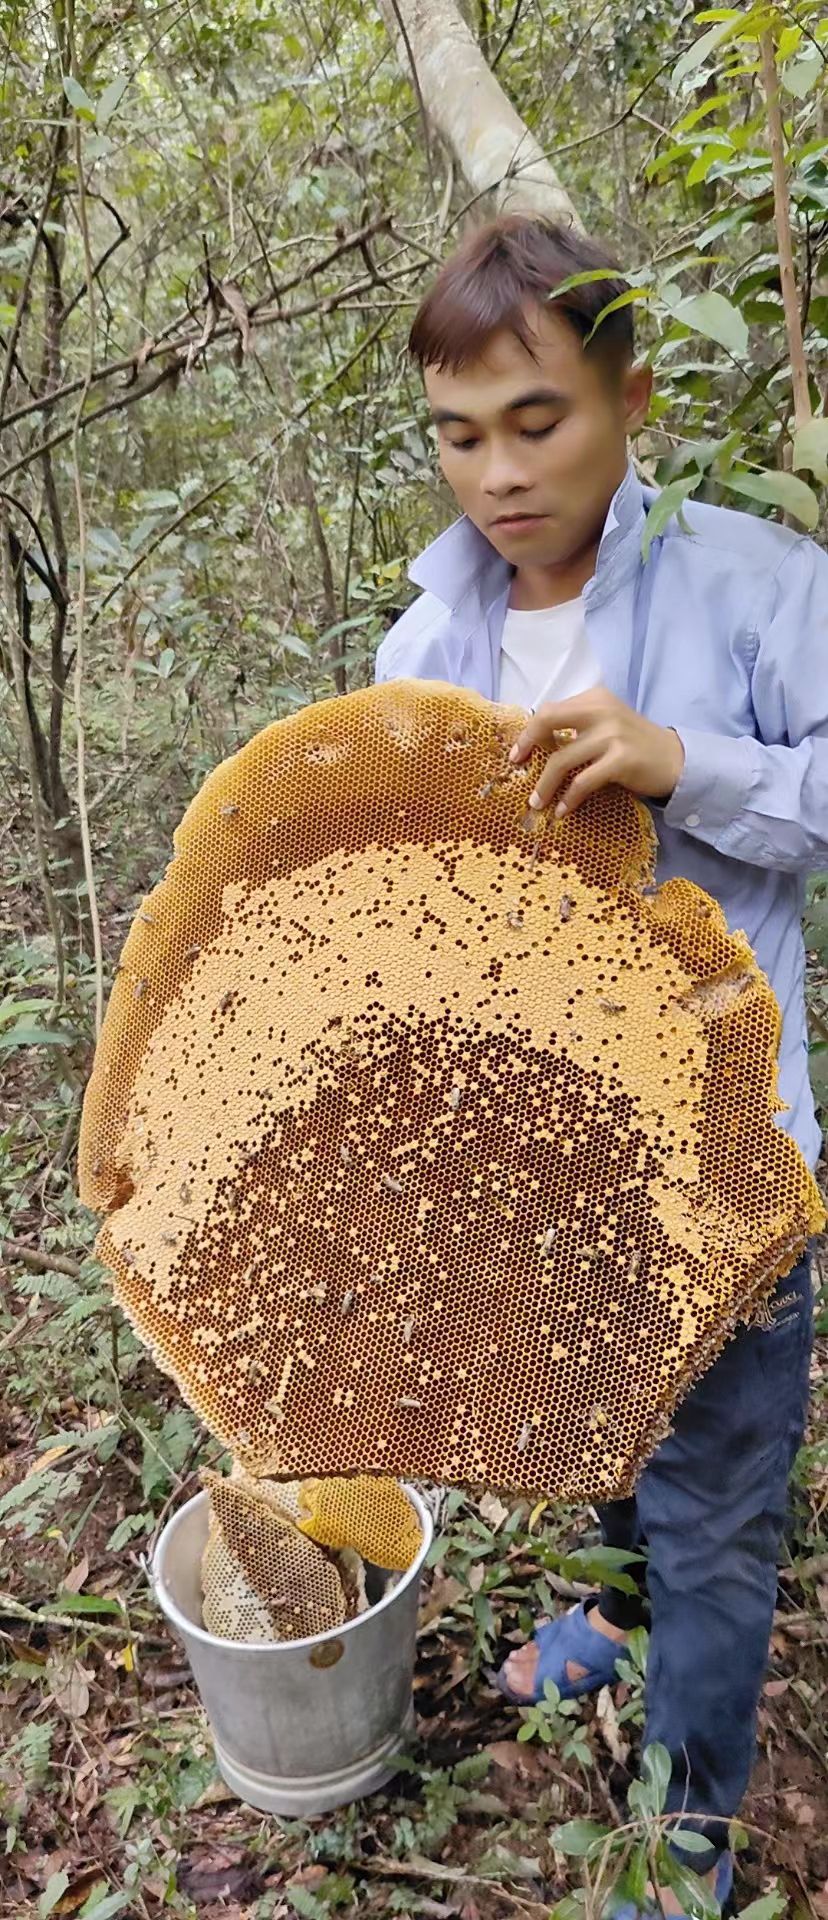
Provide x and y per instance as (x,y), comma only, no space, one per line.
(262,1578)
(434,1139)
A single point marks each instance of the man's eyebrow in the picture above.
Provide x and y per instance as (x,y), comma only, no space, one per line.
(538,397)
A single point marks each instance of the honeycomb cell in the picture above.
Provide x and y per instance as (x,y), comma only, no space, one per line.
(428,1135)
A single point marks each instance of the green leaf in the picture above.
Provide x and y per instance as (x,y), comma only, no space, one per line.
(767,1908)
(776,490)
(696,114)
(716,318)
(578,1837)
(526,1730)
(110,98)
(159,501)
(800,75)
(703,47)
(670,500)
(131,1524)
(810,448)
(583,280)
(696,1897)
(38,1037)
(622,300)
(78,97)
(54,1890)
(689,1840)
(166,662)
(102,1905)
(656,1772)
(8,314)
(81,1603)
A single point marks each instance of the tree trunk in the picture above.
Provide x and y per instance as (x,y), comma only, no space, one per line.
(466,104)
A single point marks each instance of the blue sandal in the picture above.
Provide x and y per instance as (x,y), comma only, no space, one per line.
(568,1637)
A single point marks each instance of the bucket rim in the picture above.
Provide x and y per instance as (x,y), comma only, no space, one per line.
(190,1628)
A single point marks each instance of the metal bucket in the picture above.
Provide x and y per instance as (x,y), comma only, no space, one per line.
(306,1725)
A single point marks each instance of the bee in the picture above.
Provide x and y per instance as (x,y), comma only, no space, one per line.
(484,791)
(524,1437)
(276,1411)
(407,1330)
(140,988)
(345,1154)
(565,907)
(549,1239)
(148,919)
(597,1417)
(455,1098)
(169,1239)
(185,1194)
(635,1262)
(515,920)
(390,1184)
(192,953)
(128,1257)
(611,1006)
(346,1303)
(408,1403)
(228,813)
(225,1001)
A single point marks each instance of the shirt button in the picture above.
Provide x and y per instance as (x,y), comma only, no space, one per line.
(693,820)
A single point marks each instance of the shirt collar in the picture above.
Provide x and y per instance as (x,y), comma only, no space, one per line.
(462,558)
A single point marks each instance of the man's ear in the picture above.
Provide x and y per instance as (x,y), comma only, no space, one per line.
(638,387)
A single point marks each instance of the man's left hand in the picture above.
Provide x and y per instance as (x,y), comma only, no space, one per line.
(614,746)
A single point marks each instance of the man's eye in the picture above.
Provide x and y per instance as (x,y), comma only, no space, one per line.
(461,446)
(539,433)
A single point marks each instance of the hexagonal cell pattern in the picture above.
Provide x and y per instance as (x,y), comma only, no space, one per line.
(434,1139)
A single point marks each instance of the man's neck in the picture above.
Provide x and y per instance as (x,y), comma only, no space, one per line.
(535,587)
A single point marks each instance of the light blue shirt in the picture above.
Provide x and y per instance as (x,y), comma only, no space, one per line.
(721,634)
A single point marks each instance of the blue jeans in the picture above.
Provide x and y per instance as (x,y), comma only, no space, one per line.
(711,1506)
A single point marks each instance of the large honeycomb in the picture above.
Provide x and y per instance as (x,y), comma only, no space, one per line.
(435,1140)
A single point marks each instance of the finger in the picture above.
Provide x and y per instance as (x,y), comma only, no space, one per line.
(560,764)
(602,772)
(541,727)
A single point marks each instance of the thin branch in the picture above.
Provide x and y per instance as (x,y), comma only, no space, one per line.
(37,1262)
(784,239)
(80,616)
(17,323)
(30,752)
(165,344)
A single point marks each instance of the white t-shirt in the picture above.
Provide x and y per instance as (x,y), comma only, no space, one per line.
(545,655)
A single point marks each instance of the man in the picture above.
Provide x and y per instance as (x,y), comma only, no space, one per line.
(699,680)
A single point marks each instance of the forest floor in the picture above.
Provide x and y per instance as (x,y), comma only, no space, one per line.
(109,1797)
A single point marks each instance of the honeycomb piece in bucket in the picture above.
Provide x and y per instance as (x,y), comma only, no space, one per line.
(257,1567)
(373,1515)
(435,1141)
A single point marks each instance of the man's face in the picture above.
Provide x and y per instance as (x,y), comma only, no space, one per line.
(544,439)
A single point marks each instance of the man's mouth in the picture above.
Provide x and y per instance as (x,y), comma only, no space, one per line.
(516,520)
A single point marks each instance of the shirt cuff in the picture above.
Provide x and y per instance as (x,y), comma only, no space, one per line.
(714,784)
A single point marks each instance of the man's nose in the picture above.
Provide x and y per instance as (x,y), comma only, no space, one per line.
(503,474)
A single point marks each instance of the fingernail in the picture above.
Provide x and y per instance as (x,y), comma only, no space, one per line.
(560,810)
(513,752)
(535,799)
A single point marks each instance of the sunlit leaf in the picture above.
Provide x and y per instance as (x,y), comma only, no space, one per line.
(776,490)
(810,447)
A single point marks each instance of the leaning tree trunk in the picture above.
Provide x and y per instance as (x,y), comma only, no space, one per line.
(493,147)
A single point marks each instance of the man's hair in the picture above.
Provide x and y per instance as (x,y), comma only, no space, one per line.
(485,285)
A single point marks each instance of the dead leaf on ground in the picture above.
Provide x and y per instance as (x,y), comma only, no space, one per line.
(442,1596)
(493,1511)
(607,1717)
(69,1682)
(209,1882)
(73,1581)
(516,1758)
(773,1689)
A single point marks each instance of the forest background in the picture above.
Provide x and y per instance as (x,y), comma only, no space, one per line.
(216,222)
